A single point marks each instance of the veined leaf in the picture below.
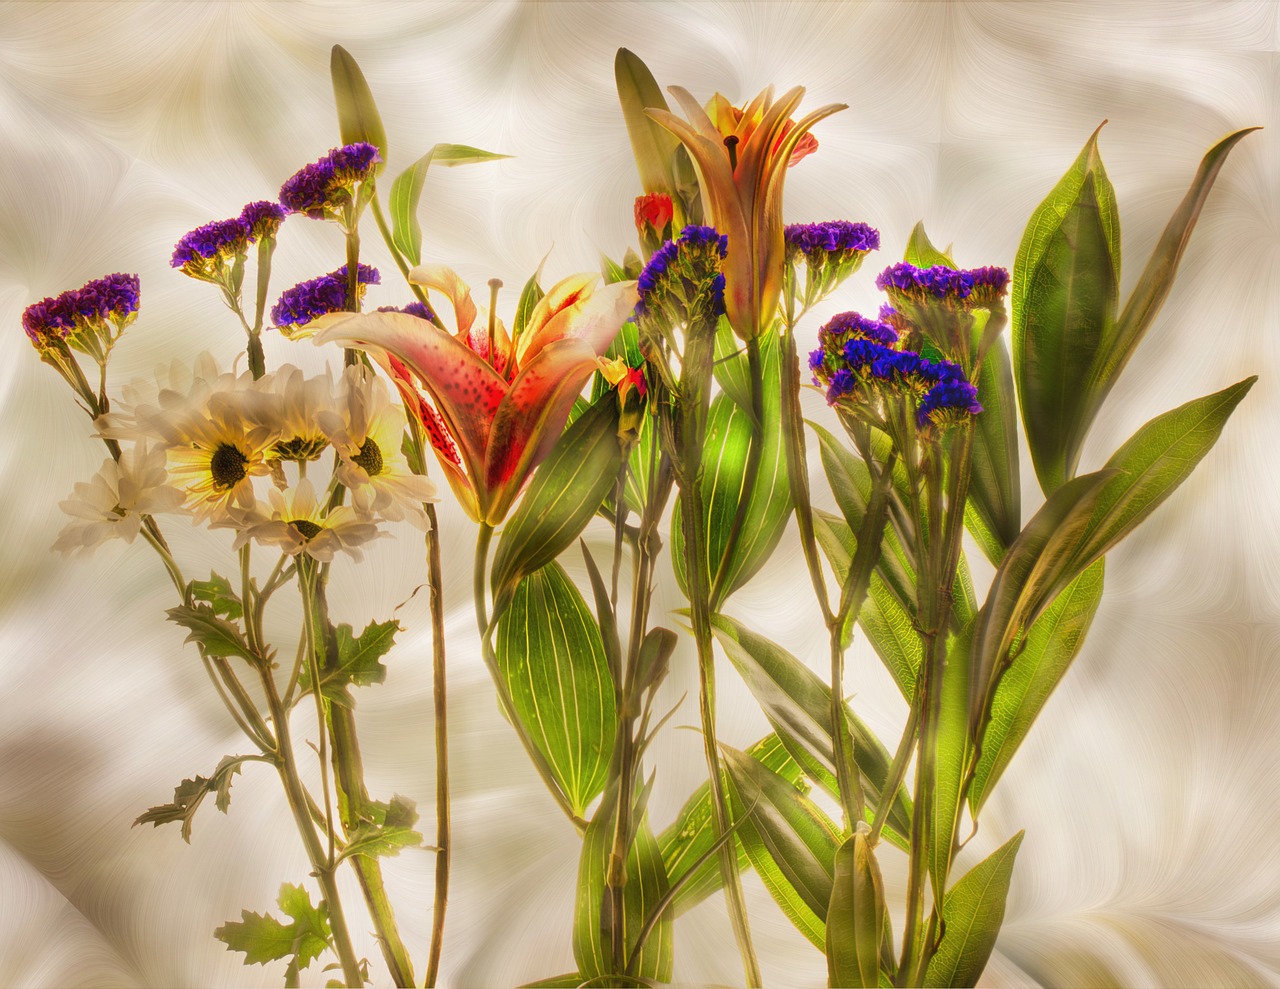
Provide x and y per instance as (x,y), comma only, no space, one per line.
(653,146)
(264,939)
(731,369)
(189,794)
(565,493)
(1050,646)
(358,117)
(856,916)
(217,593)
(952,757)
(1064,295)
(359,661)
(551,655)
(217,636)
(406,193)
(972,914)
(530,296)
(798,704)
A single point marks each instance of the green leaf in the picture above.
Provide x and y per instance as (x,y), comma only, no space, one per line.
(855,918)
(731,368)
(570,980)
(217,593)
(653,146)
(552,657)
(922,253)
(564,494)
(952,759)
(265,939)
(1157,277)
(995,490)
(1064,295)
(972,915)
(215,635)
(406,193)
(359,661)
(375,840)
(1042,561)
(789,840)
(1050,646)
(610,270)
(1153,462)
(724,477)
(692,834)
(798,704)
(189,794)
(358,117)
(646,886)
(530,296)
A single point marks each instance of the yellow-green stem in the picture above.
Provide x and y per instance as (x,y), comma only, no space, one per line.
(444,841)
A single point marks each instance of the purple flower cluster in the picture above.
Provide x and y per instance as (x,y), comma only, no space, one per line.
(940,282)
(694,256)
(851,324)
(419,309)
(262,218)
(326,184)
(113,298)
(311,299)
(947,402)
(833,236)
(217,240)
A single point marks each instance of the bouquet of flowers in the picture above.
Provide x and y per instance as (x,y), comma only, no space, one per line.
(658,401)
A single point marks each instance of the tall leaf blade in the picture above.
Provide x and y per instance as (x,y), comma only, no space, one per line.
(1051,645)
(552,658)
(855,918)
(358,117)
(653,146)
(972,913)
(406,193)
(952,757)
(995,490)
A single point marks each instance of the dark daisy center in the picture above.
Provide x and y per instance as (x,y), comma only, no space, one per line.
(370,458)
(228,466)
(308,528)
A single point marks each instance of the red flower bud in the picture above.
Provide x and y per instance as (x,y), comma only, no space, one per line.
(653,210)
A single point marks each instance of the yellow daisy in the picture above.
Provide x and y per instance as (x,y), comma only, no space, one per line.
(220,449)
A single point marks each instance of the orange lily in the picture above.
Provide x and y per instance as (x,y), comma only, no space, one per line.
(742,157)
(499,404)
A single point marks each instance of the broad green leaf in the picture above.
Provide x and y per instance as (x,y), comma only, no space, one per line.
(359,661)
(570,980)
(798,704)
(610,270)
(217,593)
(358,117)
(1153,462)
(653,146)
(1157,277)
(921,252)
(646,886)
(724,479)
(1064,296)
(995,491)
(1048,649)
(731,369)
(530,296)
(856,916)
(406,193)
(564,494)
(791,843)
(265,939)
(953,751)
(640,464)
(215,635)
(551,655)
(693,833)
(1042,561)
(189,794)
(972,914)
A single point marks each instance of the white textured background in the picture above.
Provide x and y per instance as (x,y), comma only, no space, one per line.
(1149,787)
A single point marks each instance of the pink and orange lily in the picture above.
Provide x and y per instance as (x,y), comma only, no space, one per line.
(497,403)
(742,156)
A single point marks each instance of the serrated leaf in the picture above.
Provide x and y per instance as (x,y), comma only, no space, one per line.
(358,117)
(375,840)
(1051,644)
(217,636)
(856,916)
(551,655)
(189,794)
(921,252)
(264,939)
(653,146)
(406,193)
(359,660)
(217,593)
(798,704)
(973,912)
(567,489)
(693,834)
(1064,295)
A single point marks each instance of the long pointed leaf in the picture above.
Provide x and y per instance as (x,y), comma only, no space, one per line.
(358,117)
(652,145)
(406,193)
(856,916)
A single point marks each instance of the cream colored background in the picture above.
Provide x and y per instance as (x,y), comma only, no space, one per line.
(1149,787)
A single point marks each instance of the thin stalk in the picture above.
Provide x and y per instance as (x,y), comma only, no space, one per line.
(352,357)
(307,587)
(444,842)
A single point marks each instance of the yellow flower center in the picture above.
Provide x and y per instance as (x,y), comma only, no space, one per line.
(306,527)
(228,467)
(369,458)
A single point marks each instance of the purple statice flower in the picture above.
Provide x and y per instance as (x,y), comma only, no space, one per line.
(686,273)
(847,325)
(947,402)
(817,359)
(83,315)
(816,239)
(317,297)
(199,250)
(262,218)
(694,236)
(50,318)
(113,297)
(654,273)
(419,309)
(842,383)
(940,282)
(324,186)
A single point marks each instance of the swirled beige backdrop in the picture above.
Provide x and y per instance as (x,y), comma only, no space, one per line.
(1149,790)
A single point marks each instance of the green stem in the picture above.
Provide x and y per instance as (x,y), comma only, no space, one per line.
(444,842)
(350,356)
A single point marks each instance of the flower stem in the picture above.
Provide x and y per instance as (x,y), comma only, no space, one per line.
(444,842)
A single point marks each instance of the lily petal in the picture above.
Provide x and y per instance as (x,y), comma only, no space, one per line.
(446,280)
(594,319)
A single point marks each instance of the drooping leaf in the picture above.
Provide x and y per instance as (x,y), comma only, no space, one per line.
(653,146)
(856,916)
(973,912)
(189,794)
(798,704)
(359,660)
(264,939)
(1051,644)
(358,117)
(692,834)
(376,840)
(1064,295)
(406,193)
(217,593)
(791,843)
(564,494)
(552,658)
(217,636)
(1153,462)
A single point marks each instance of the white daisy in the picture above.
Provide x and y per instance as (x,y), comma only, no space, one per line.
(112,503)
(297,523)
(299,401)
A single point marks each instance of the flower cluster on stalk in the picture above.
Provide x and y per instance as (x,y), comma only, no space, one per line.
(831,252)
(942,304)
(316,297)
(89,319)
(205,252)
(326,189)
(683,282)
